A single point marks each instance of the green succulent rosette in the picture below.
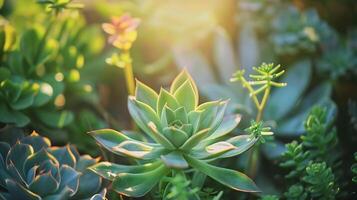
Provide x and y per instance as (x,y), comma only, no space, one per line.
(182,134)
(32,169)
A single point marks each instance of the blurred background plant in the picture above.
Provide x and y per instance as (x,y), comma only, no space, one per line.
(58,84)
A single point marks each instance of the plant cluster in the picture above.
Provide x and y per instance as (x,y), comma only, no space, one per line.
(42,69)
(311,163)
(183,135)
(33,169)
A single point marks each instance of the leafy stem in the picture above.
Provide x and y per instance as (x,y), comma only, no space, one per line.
(265,79)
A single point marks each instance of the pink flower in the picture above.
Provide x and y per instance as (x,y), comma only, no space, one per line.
(122,31)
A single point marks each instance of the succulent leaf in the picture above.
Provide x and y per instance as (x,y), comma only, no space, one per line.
(17,191)
(174,160)
(111,170)
(146,95)
(137,185)
(228,124)
(165,98)
(233,179)
(186,97)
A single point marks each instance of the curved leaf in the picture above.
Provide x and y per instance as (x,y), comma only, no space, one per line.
(121,144)
(242,144)
(186,97)
(176,136)
(228,124)
(180,80)
(137,185)
(18,191)
(213,151)
(233,179)
(146,95)
(195,139)
(44,181)
(69,179)
(174,160)
(109,170)
(166,99)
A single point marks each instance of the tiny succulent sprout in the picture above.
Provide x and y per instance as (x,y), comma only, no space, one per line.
(183,134)
(258,131)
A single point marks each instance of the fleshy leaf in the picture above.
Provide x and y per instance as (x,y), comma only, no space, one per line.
(121,144)
(137,185)
(181,115)
(160,137)
(109,170)
(138,150)
(176,136)
(44,181)
(174,160)
(194,139)
(180,80)
(194,119)
(185,96)
(37,159)
(64,155)
(146,95)
(19,192)
(233,179)
(18,155)
(165,98)
(143,115)
(218,118)
(242,144)
(69,179)
(214,150)
(209,111)
(228,124)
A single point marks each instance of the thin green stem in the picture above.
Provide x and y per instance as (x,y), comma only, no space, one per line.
(246,84)
(254,153)
(129,77)
(263,104)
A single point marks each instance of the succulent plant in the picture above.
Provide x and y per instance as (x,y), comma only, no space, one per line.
(183,135)
(33,169)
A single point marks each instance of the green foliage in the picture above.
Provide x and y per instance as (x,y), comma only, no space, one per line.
(178,188)
(319,139)
(33,169)
(182,133)
(43,70)
(296,192)
(306,161)
(320,181)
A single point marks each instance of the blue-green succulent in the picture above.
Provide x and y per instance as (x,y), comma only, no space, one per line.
(32,169)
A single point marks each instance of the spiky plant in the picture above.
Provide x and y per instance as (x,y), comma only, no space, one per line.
(183,135)
(33,170)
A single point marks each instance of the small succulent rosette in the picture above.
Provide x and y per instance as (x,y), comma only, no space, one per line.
(182,135)
(33,170)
